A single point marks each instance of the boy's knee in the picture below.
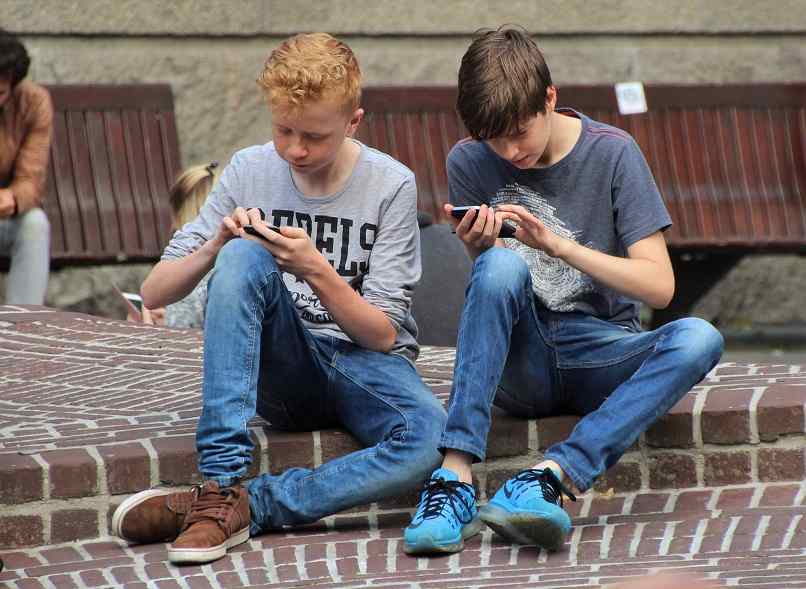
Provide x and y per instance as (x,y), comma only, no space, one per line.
(241,260)
(501,270)
(701,341)
(34,224)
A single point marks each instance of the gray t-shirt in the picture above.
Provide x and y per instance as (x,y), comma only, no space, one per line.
(602,195)
(367,231)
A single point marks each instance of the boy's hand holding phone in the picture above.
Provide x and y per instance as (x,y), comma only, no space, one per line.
(291,247)
(477,227)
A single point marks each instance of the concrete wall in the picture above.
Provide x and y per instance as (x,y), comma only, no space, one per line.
(211,52)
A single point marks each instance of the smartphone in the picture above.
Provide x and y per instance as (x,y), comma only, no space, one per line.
(133,302)
(507,228)
(252,231)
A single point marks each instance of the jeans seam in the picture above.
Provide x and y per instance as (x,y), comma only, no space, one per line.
(251,382)
(376,396)
(614,361)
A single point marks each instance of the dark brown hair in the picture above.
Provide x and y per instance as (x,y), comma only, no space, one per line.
(503,80)
(14,59)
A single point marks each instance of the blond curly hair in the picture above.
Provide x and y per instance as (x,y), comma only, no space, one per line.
(309,68)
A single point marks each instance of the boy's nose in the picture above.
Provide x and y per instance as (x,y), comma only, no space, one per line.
(297,151)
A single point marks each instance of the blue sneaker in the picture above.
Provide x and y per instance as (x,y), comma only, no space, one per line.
(527,509)
(446,517)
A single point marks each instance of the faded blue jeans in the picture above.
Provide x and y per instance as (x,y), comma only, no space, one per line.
(532,362)
(25,238)
(258,356)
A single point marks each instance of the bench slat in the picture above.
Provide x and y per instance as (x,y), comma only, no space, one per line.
(85,187)
(102,181)
(728,159)
(64,184)
(115,152)
(121,183)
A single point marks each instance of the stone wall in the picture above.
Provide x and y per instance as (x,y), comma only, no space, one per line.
(211,51)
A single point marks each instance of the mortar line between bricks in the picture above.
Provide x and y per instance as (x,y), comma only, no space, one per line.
(153,462)
(485,549)
(317,448)
(755,500)
(727,539)
(666,541)
(801,496)
(361,555)
(271,566)
(573,549)
(102,485)
(45,475)
(754,478)
(790,531)
(331,556)
(696,416)
(636,539)
(607,536)
(699,536)
(714,500)
(263,441)
(761,529)
(758,392)
(239,568)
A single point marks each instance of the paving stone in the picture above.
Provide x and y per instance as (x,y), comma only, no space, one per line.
(120,390)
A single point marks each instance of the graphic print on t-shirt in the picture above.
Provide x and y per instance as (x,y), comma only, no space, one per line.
(344,242)
(556,283)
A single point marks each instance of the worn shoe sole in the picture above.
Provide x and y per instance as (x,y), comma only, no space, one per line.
(208,554)
(131,503)
(427,545)
(524,527)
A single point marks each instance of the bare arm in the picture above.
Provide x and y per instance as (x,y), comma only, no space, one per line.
(172,280)
(646,274)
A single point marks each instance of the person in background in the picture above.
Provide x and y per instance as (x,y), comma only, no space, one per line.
(187,195)
(26,127)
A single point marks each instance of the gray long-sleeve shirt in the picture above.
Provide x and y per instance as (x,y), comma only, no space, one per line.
(367,231)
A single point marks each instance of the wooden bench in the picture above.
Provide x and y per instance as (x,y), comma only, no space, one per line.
(730,162)
(115,153)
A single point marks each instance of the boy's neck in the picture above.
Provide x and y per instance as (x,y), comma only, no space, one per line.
(565,132)
(332,178)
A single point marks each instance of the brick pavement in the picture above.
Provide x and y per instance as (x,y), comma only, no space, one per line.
(93,409)
(745,535)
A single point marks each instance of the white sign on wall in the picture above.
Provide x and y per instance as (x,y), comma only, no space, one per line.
(631,98)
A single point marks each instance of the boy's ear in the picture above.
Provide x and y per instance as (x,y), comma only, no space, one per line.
(355,120)
(551,98)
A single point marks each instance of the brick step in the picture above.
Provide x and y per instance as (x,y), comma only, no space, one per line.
(749,535)
(92,410)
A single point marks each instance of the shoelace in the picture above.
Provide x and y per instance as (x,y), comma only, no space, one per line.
(210,505)
(438,492)
(552,488)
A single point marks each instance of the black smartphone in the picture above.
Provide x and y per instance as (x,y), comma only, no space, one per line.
(507,228)
(252,231)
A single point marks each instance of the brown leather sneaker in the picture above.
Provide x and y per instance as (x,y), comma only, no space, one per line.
(155,515)
(218,520)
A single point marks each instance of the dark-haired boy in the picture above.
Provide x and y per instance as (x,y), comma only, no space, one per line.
(550,323)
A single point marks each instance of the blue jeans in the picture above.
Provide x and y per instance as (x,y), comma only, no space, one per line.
(532,362)
(25,238)
(258,356)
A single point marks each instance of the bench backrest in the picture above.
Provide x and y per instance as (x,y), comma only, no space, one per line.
(115,153)
(730,160)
